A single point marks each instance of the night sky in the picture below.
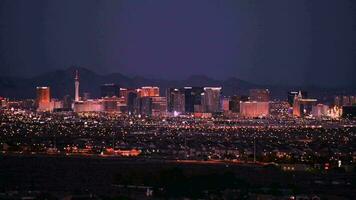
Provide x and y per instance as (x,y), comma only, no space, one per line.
(301,42)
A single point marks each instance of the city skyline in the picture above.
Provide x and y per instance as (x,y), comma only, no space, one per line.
(195,101)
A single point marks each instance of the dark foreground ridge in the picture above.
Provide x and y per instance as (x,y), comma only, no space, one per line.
(131,178)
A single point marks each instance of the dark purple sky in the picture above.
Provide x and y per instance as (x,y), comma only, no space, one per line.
(275,41)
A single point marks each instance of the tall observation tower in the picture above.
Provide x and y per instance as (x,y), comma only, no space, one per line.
(76,79)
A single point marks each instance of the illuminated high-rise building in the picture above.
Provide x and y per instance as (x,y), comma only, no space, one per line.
(43,95)
(43,99)
(175,100)
(260,95)
(149,91)
(211,99)
(76,84)
(296,105)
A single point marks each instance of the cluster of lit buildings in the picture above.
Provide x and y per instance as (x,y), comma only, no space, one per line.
(192,100)
(145,100)
(204,102)
(141,101)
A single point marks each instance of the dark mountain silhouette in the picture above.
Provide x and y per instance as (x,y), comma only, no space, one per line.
(62,83)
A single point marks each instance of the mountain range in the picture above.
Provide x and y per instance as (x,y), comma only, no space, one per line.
(61,83)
